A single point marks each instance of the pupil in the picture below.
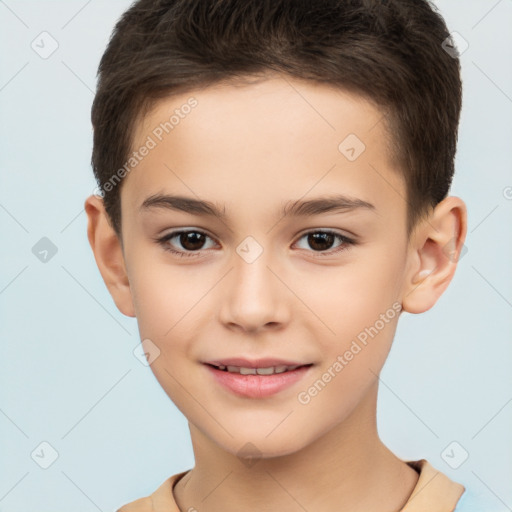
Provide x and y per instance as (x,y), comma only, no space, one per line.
(314,238)
(192,240)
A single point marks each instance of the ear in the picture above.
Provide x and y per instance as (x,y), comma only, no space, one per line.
(108,252)
(435,249)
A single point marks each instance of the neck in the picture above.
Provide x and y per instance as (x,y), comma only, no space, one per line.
(347,468)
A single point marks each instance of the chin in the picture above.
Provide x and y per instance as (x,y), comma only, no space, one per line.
(248,444)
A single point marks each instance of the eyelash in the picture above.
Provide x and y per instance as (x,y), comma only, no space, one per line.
(347,242)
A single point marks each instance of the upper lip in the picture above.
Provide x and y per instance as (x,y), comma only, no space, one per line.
(265,362)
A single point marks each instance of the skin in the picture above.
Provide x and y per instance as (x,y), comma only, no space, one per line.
(249,149)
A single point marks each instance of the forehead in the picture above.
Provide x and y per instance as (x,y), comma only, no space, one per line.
(278,138)
(261,110)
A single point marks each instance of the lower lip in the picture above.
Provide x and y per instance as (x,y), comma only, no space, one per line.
(258,386)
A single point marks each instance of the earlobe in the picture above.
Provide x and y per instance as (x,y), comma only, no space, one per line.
(435,250)
(108,254)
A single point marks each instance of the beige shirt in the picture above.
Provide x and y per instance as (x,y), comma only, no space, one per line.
(434,492)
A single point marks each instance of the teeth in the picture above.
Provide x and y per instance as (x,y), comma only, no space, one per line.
(265,371)
(257,371)
(245,371)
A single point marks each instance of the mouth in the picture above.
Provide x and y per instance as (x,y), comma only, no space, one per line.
(268,370)
(259,381)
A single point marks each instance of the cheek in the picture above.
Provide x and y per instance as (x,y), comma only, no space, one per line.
(162,295)
(171,306)
(351,362)
(352,297)
(153,304)
(361,311)
(164,310)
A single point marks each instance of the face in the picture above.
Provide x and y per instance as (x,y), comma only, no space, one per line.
(319,284)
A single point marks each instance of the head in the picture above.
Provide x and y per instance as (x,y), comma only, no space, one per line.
(307,149)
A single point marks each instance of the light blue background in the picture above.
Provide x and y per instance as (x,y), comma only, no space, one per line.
(68,374)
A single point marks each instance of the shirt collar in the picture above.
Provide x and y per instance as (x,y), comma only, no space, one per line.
(433,491)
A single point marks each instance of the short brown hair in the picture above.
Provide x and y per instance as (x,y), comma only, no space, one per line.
(390,52)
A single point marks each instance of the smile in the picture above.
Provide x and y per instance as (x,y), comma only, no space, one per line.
(257,382)
(258,371)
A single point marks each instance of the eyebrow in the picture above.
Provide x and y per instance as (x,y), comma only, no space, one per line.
(330,204)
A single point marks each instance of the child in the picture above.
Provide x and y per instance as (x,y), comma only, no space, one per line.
(274,180)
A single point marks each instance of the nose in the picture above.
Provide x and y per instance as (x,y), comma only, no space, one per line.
(253,297)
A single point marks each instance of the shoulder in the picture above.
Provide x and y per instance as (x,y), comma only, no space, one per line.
(162,500)
(140,505)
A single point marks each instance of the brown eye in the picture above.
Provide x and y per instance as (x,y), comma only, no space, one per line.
(322,242)
(192,240)
(185,243)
